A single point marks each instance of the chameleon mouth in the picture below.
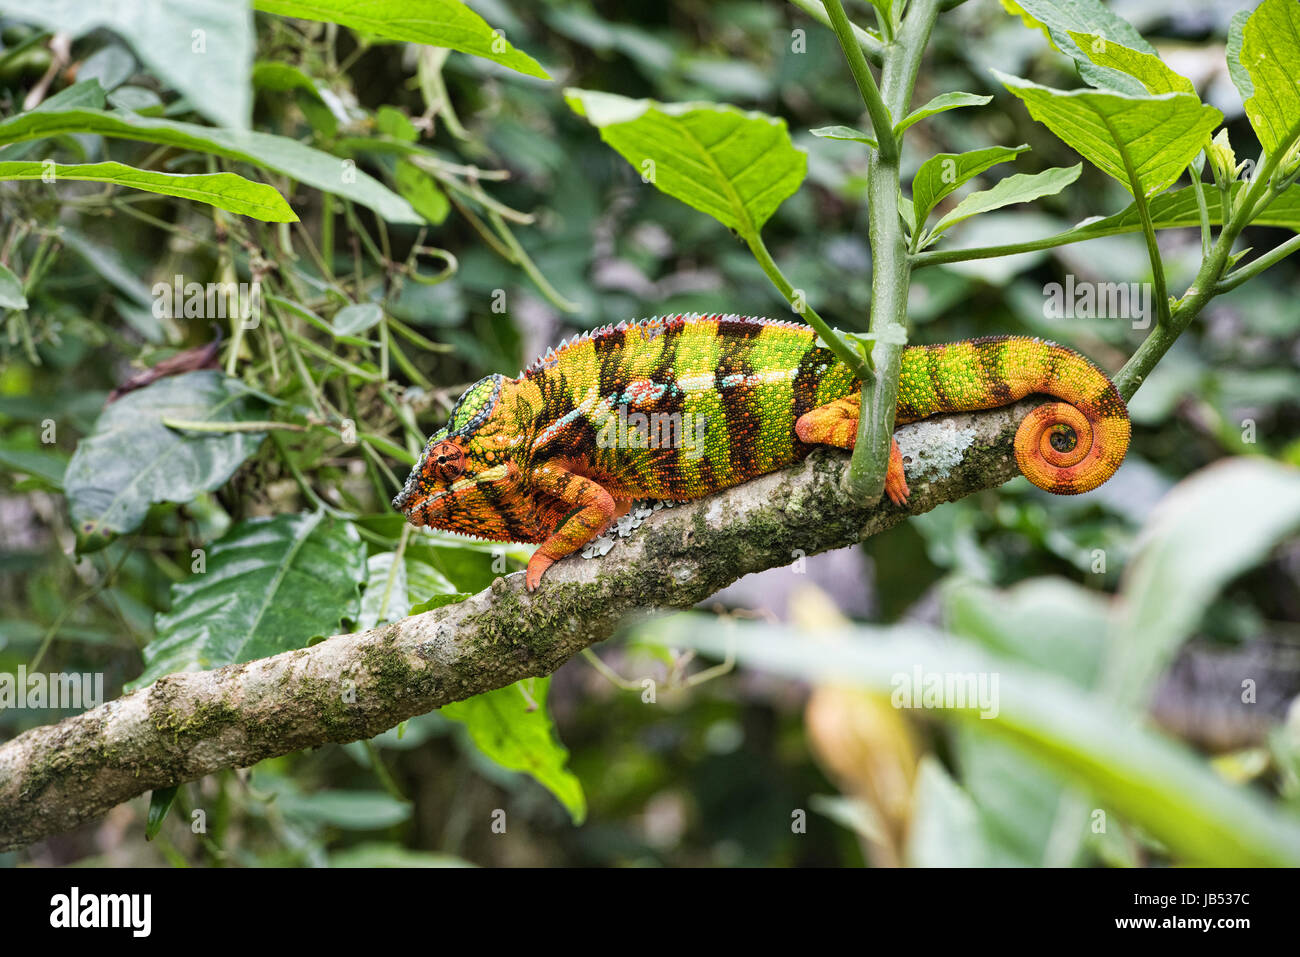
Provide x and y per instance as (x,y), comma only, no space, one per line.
(407,500)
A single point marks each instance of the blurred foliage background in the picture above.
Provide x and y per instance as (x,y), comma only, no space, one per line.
(768,766)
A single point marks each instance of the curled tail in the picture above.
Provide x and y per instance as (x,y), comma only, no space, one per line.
(1066,447)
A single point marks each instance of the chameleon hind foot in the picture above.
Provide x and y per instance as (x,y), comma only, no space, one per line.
(836,424)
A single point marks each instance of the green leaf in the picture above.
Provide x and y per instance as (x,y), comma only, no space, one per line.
(940,104)
(270,585)
(412,586)
(945,830)
(1147,68)
(439,23)
(736,166)
(132,460)
(1159,134)
(1236,69)
(1017,188)
(282,77)
(1270,52)
(385,597)
(422,192)
(136,99)
(11,290)
(1058,18)
(278,153)
(504,728)
(1178,209)
(350,810)
(1050,623)
(1207,531)
(438,601)
(111,66)
(354,319)
(160,802)
(843,133)
(1144,776)
(108,262)
(944,172)
(226,191)
(46,466)
(202,48)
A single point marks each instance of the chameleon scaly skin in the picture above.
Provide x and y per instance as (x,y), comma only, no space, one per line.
(675,408)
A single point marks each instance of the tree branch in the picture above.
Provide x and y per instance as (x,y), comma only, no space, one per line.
(352,687)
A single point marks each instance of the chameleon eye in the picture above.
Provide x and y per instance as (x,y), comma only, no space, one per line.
(449,463)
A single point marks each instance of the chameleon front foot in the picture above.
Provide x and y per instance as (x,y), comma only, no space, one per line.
(537,566)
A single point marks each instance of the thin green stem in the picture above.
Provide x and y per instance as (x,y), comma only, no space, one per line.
(301,480)
(1202,211)
(525,262)
(1148,228)
(1256,266)
(890,262)
(300,368)
(881,121)
(1204,287)
(834,341)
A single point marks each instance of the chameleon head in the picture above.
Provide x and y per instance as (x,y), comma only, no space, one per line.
(466,480)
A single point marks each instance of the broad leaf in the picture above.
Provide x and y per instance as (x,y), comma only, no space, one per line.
(1270,52)
(1236,69)
(132,460)
(47,466)
(439,23)
(356,318)
(226,191)
(11,290)
(270,585)
(1147,778)
(940,104)
(411,586)
(422,192)
(1147,68)
(1058,18)
(1206,532)
(385,597)
(1160,135)
(736,166)
(1017,188)
(946,830)
(202,48)
(944,172)
(352,810)
(1050,623)
(504,728)
(1178,209)
(278,153)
